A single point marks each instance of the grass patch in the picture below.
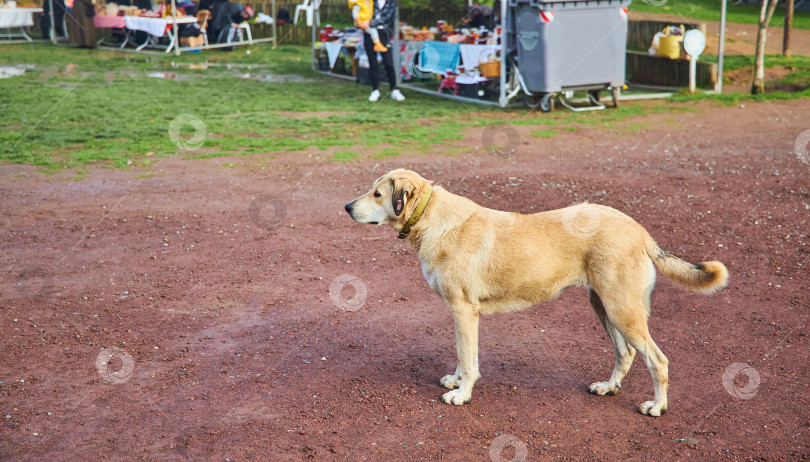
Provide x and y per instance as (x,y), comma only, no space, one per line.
(732,98)
(74,107)
(387,152)
(343,156)
(710,10)
(77,107)
(543,133)
(733,62)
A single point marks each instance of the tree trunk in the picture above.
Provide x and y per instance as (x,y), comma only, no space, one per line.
(788,27)
(765,14)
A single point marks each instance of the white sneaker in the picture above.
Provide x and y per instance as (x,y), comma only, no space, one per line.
(374,96)
(396,95)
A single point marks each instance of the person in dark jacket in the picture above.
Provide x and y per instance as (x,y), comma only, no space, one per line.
(385,16)
(224,16)
(209,4)
(479,15)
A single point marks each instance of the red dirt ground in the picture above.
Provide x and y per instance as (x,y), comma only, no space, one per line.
(237,351)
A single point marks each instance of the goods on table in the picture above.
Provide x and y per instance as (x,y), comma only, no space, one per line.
(464,60)
(160,10)
(19,4)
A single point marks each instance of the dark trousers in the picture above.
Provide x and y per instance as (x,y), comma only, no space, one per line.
(387,57)
(58,18)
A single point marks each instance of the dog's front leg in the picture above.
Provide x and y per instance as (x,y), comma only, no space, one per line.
(465,317)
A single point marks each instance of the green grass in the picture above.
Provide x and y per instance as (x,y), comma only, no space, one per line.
(78,107)
(342,156)
(710,10)
(387,152)
(543,133)
(82,106)
(733,98)
(732,62)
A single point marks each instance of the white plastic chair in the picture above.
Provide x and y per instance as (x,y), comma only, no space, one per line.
(309,6)
(244,26)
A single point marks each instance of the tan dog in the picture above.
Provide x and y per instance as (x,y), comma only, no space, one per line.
(483,261)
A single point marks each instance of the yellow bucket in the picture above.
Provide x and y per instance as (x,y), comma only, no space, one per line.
(670,47)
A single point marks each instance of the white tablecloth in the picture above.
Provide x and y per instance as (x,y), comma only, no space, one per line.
(470,54)
(153,26)
(17,17)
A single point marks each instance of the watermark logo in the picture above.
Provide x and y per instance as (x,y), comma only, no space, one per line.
(500,140)
(425,62)
(802,147)
(260,204)
(503,445)
(348,304)
(730,381)
(581,220)
(179,130)
(34,282)
(106,365)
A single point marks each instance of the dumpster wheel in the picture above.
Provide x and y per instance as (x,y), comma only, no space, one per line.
(542,101)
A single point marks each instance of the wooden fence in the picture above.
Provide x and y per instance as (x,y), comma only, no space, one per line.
(652,70)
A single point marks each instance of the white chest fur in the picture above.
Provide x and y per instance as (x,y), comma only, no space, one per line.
(433,278)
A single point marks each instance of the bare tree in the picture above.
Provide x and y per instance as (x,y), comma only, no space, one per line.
(765,14)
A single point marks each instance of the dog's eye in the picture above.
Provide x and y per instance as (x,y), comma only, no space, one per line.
(376,194)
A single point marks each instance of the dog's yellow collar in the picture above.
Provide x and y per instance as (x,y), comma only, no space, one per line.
(417,213)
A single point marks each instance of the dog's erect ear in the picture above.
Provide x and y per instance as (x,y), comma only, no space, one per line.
(403,189)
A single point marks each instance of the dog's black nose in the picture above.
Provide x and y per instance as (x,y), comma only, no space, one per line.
(349,207)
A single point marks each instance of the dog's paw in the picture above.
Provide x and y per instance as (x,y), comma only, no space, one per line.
(450,381)
(456,397)
(653,408)
(602,389)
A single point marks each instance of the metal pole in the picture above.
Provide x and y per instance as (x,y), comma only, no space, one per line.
(275,20)
(395,44)
(692,73)
(314,57)
(53,23)
(174,29)
(502,99)
(718,87)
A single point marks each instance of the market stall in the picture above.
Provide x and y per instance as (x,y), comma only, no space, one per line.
(462,64)
(160,28)
(539,51)
(14,20)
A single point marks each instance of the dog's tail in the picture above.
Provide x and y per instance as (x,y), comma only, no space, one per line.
(705,277)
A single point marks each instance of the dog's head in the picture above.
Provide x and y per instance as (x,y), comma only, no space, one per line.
(390,201)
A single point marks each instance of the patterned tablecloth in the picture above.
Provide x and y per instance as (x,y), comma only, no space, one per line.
(105,21)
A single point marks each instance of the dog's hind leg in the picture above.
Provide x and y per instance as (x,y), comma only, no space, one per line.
(630,318)
(466,317)
(624,353)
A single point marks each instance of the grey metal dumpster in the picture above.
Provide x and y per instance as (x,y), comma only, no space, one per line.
(568,45)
